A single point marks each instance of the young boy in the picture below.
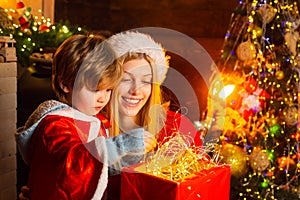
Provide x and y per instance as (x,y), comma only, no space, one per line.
(64,142)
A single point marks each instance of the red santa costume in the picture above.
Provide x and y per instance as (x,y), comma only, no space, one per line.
(68,158)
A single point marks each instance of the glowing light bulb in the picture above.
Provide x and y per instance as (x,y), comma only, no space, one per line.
(226,91)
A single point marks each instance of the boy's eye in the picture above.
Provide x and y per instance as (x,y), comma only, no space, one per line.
(106,90)
(126,79)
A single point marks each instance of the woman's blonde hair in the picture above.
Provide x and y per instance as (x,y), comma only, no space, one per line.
(152,115)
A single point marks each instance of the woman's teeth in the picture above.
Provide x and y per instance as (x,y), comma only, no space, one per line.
(132,101)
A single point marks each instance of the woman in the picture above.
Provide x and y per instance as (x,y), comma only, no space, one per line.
(137,100)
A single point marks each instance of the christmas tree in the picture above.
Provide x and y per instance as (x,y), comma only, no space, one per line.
(260,136)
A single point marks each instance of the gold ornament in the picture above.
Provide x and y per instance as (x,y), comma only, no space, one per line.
(290,115)
(246,51)
(266,13)
(258,160)
(235,157)
(279,75)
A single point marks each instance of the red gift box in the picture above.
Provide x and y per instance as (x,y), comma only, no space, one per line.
(209,184)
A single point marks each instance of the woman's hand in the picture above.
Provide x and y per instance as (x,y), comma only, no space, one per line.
(149,141)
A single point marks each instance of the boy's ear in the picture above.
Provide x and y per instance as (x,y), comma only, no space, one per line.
(64,87)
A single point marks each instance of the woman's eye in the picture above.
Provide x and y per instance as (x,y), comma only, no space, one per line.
(147,81)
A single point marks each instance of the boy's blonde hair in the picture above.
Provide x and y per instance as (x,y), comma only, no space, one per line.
(84,61)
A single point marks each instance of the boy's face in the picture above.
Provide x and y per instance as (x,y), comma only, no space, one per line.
(90,102)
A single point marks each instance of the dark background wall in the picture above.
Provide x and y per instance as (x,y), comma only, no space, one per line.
(196,18)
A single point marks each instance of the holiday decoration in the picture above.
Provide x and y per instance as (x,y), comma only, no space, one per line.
(290,115)
(23,15)
(34,34)
(260,135)
(236,157)
(246,51)
(266,13)
(259,160)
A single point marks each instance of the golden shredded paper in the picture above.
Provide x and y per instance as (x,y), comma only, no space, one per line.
(176,160)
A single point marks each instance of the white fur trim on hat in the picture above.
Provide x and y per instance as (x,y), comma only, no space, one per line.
(129,42)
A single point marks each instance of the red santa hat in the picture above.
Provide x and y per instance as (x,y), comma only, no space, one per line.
(130,41)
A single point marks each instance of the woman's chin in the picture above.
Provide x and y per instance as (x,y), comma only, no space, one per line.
(131,113)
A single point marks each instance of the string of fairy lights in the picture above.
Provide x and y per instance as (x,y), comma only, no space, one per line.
(34,33)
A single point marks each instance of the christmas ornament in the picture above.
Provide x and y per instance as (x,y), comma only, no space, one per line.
(275,130)
(291,39)
(236,157)
(21,10)
(290,115)
(264,184)
(246,51)
(252,102)
(44,27)
(279,75)
(266,13)
(258,160)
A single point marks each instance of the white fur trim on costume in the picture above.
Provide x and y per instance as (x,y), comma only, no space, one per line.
(73,113)
(103,180)
(129,42)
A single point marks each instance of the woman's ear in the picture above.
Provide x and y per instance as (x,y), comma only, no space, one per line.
(64,87)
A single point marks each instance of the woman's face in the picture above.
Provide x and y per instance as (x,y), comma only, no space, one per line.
(135,87)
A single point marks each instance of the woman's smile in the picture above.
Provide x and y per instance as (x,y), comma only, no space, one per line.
(132,101)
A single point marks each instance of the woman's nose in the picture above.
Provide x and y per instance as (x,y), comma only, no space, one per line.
(135,88)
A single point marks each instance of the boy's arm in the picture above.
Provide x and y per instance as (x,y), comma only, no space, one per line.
(123,150)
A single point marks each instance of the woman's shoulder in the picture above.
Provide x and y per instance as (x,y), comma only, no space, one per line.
(179,121)
(177,116)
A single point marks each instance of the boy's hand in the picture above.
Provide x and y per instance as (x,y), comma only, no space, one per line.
(24,195)
(149,141)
